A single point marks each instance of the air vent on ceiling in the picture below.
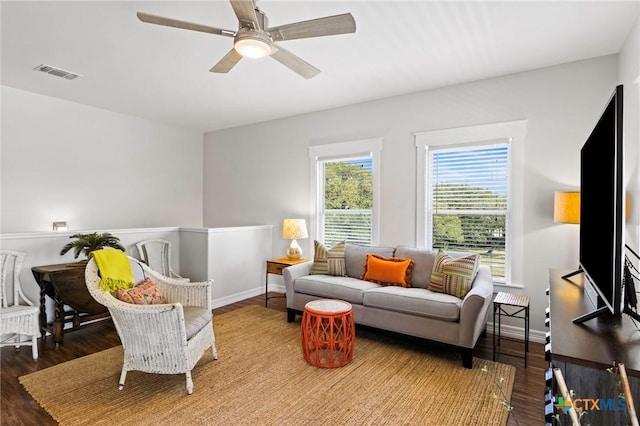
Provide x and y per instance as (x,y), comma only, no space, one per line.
(57,72)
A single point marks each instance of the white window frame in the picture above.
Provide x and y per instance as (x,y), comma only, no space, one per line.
(335,151)
(514,132)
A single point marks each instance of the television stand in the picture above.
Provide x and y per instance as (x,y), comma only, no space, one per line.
(605,311)
(627,310)
(585,352)
(591,315)
(629,296)
(571,274)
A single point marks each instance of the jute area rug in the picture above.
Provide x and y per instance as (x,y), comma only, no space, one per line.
(261,378)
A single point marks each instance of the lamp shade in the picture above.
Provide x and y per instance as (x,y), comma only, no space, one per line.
(293,229)
(566,207)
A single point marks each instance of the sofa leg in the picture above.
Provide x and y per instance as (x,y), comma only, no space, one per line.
(291,315)
(467,357)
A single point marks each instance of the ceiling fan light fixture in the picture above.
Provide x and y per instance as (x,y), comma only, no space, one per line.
(252,45)
(256,39)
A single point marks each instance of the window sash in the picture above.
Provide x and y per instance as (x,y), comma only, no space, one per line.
(353,226)
(467,202)
(348,223)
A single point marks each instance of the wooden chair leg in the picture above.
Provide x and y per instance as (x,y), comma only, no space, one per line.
(291,315)
(467,357)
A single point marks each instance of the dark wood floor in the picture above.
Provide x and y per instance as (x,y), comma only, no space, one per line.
(18,408)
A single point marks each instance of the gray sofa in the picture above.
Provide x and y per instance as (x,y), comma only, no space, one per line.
(414,311)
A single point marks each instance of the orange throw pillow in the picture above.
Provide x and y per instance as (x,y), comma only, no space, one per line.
(387,270)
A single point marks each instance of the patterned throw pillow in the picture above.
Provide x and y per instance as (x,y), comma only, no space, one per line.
(388,270)
(453,276)
(144,293)
(328,261)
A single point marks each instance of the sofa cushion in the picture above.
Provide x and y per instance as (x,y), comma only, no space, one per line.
(355,256)
(328,261)
(453,276)
(387,270)
(422,264)
(414,301)
(343,288)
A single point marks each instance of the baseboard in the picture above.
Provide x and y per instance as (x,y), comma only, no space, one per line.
(513,332)
(277,288)
(237,297)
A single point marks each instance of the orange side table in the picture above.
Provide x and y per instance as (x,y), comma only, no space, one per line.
(328,333)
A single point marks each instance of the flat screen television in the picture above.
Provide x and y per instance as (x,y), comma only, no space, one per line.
(602,204)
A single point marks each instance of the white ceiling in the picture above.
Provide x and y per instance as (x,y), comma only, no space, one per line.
(162,73)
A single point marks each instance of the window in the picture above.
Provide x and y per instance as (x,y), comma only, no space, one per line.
(345,183)
(346,206)
(469,194)
(467,202)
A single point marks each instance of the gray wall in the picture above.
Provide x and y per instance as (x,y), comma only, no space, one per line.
(94,168)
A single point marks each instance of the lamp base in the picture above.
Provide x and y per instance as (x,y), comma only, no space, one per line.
(294,252)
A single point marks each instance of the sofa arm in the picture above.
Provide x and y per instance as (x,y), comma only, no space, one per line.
(475,306)
(291,273)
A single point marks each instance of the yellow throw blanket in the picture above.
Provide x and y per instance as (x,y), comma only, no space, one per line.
(115,270)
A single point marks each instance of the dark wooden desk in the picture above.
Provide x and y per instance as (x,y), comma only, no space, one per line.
(597,343)
(65,285)
(583,352)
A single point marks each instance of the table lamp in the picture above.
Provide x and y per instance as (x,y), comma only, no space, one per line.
(566,207)
(292,229)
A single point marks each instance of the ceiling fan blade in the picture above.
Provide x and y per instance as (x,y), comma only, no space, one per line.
(169,22)
(245,10)
(227,62)
(330,25)
(294,63)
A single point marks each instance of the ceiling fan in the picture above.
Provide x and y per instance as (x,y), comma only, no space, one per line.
(255,39)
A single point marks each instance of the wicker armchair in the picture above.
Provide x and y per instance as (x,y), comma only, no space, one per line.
(165,338)
(157,255)
(18,315)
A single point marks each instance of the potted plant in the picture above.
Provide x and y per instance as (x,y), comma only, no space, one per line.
(70,284)
(87,243)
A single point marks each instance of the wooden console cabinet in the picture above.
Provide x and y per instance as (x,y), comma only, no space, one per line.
(584,352)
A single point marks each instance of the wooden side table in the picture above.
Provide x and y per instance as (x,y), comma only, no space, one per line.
(73,304)
(275,266)
(520,302)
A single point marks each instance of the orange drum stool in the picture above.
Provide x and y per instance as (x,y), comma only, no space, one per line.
(328,333)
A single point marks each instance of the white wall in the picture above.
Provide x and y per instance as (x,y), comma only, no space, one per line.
(629,76)
(267,163)
(94,168)
(234,257)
